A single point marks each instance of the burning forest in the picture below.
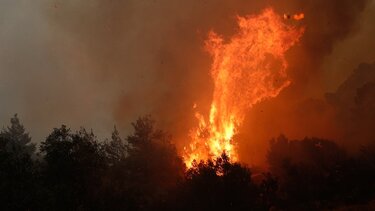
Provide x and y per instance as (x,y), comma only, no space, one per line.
(187,105)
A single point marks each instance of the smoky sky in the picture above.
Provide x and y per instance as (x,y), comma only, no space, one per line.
(100,63)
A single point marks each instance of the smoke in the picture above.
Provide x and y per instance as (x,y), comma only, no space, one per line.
(98,63)
(45,74)
(355,106)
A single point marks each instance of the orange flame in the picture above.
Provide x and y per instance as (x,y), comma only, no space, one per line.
(299,16)
(249,68)
(296,17)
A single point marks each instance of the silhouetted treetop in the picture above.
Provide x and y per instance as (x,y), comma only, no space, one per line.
(218,185)
(18,173)
(116,149)
(76,171)
(145,134)
(74,164)
(15,139)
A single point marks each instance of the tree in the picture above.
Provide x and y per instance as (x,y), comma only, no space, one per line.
(318,174)
(115,182)
(74,164)
(218,185)
(117,149)
(18,173)
(154,167)
(269,187)
(15,139)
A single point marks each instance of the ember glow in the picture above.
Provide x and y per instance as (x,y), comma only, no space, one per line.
(296,17)
(299,16)
(247,69)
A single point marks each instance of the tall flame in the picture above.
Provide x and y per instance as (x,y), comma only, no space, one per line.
(247,69)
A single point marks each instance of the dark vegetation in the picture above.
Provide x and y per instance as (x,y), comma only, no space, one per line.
(75,171)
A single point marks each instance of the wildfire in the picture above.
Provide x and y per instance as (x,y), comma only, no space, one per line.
(247,69)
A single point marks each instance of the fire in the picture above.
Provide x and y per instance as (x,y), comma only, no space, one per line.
(299,16)
(296,17)
(247,69)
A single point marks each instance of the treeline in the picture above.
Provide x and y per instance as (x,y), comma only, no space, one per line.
(75,171)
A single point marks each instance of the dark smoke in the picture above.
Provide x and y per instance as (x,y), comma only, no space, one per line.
(355,107)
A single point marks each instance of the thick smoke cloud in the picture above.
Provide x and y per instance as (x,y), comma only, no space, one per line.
(45,74)
(355,106)
(98,63)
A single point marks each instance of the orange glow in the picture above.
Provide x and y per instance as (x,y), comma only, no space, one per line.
(299,16)
(247,69)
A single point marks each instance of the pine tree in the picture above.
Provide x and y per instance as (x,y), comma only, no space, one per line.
(116,149)
(18,184)
(16,140)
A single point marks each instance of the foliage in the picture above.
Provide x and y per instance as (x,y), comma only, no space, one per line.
(75,171)
(317,173)
(18,172)
(218,185)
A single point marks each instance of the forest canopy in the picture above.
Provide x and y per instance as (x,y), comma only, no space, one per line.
(74,170)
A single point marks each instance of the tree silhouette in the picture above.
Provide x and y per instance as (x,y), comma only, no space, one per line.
(116,149)
(318,174)
(115,182)
(18,174)
(75,171)
(74,163)
(153,163)
(143,171)
(218,185)
(15,139)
